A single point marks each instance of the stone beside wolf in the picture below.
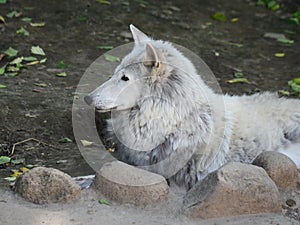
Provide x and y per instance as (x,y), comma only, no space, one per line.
(165,119)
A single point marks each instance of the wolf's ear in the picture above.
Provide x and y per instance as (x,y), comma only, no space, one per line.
(154,59)
(138,36)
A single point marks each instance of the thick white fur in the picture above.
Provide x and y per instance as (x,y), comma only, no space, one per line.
(167,120)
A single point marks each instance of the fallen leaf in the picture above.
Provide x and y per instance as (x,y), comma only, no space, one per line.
(2,56)
(111,58)
(295,84)
(11,74)
(4,159)
(106,47)
(43,60)
(41,24)
(40,84)
(22,31)
(3,1)
(26,19)
(104,2)
(37,50)
(219,16)
(32,63)
(13,14)
(234,20)
(29,166)
(2,69)
(284,93)
(237,80)
(65,140)
(11,52)
(61,65)
(30,58)
(82,18)
(17,162)
(279,55)
(29,115)
(2,86)
(10,179)
(285,41)
(16,173)
(24,169)
(2,19)
(103,202)
(86,143)
(17,60)
(63,74)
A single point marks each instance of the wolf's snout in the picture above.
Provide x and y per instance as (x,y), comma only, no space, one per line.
(88,99)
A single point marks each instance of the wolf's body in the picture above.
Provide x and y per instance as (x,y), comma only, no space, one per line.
(167,120)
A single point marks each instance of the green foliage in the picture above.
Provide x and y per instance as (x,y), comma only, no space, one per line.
(270,4)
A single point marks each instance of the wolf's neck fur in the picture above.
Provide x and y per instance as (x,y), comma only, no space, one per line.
(181,122)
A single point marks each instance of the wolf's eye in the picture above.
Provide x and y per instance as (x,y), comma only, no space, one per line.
(124,78)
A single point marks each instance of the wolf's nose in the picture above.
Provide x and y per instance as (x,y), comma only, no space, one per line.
(88,99)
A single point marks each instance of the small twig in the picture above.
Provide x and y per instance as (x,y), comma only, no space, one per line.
(231,67)
(27,140)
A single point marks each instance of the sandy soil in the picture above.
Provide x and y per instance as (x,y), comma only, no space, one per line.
(87,210)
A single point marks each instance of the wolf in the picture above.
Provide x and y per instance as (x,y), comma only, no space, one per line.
(165,119)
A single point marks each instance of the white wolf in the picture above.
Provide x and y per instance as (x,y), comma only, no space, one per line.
(166,119)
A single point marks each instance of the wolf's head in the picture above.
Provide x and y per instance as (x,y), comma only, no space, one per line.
(150,65)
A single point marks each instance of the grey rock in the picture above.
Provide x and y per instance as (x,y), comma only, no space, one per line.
(234,189)
(47,185)
(127,184)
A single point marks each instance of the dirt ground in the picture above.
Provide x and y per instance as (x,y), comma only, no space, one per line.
(72,32)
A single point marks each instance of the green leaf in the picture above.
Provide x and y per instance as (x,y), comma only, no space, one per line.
(238,74)
(104,202)
(2,19)
(22,31)
(61,65)
(297,15)
(43,60)
(86,143)
(3,1)
(2,86)
(30,58)
(10,179)
(219,16)
(29,166)
(11,52)
(237,80)
(294,84)
(37,50)
(11,74)
(111,58)
(106,47)
(284,93)
(63,74)
(279,54)
(13,14)
(41,24)
(17,60)
(296,80)
(294,21)
(16,162)
(4,159)
(2,69)
(26,19)
(65,140)
(82,18)
(104,2)
(12,69)
(285,41)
